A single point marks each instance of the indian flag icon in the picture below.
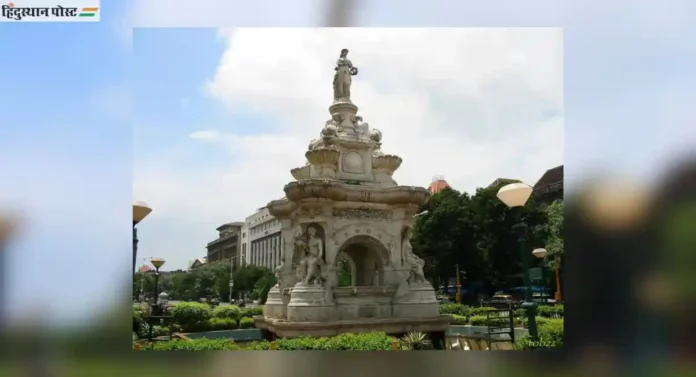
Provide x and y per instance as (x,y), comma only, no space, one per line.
(88,12)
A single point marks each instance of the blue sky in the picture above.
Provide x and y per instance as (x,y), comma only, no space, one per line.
(74,93)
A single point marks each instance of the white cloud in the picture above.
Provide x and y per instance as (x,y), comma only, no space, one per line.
(472,104)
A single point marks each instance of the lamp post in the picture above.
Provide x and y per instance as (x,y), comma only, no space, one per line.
(157,262)
(516,195)
(541,253)
(140,211)
(231,288)
(557,263)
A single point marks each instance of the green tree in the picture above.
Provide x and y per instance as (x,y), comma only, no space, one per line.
(143,282)
(554,240)
(476,233)
(246,277)
(443,236)
(263,285)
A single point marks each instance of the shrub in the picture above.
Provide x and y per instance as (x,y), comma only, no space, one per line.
(416,341)
(520,313)
(342,342)
(548,311)
(222,324)
(455,309)
(262,345)
(482,310)
(540,321)
(459,320)
(253,311)
(478,320)
(246,323)
(202,344)
(550,333)
(191,316)
(228,311)
(139,317)
(482,320)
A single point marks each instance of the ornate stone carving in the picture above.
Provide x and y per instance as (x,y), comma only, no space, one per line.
(361,213)
(323,156)
(309,211)
(376,135)
(342,78)
(300,173)
(353,162)
(386,163)
(411,260)
(311,249)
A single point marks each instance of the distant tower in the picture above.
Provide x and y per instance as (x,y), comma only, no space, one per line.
(438,183)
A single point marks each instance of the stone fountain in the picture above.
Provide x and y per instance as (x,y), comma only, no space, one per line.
(345,205)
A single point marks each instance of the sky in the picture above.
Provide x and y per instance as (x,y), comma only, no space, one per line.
(217,132)
(204,124)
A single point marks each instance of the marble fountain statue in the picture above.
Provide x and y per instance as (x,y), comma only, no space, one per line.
(345,205)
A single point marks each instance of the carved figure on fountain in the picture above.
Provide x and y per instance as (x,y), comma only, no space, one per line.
(311,251)
(414,263)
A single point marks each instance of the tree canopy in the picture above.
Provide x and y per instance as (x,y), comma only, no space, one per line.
(475,232)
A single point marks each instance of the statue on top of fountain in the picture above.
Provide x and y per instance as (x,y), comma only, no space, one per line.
(342,78)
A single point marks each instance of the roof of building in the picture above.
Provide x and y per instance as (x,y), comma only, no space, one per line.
(202,260)
(553,175)
(503,180)
(230,225)
(144,268)
(438,184)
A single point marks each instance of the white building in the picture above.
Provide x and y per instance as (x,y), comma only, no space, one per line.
(244,253)
(262,240)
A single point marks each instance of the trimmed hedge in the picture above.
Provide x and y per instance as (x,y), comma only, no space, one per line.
(459,320)
(246,323)
(343,342)
(549,311)
(482,320)
(482,310)
(222,324)
(191,316)
(202,344)
(550,330)
(252,312)
(228,312)
(455,309)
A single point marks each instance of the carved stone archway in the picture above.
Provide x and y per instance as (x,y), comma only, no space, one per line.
(345,233)
(369,257)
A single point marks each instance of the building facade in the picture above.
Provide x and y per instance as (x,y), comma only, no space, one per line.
(227,246)
(244,255)
(264,241)
(549,187)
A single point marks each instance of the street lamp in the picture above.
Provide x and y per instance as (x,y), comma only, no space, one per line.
(540,253)
(157,262)
(516,195)
(140,211)
(557,264)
